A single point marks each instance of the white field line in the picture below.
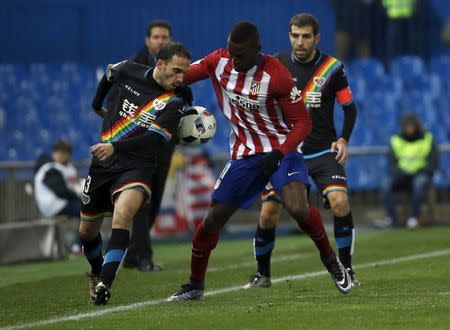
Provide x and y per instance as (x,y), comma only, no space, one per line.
(124,308)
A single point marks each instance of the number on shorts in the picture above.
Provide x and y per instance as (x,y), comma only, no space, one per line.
(87,183)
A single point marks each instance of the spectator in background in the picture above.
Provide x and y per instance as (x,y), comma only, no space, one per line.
(57,189)
(412,160)
(140,252)
(159,33)
(353,28)
(56,186)
(402,34)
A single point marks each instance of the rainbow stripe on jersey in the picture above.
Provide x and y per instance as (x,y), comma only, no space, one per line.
(320,78)
(126,127)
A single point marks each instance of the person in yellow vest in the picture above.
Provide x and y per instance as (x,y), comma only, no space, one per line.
(412,161)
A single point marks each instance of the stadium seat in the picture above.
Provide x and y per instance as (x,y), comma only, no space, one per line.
(423,105)
(440,65)
(370,67)
(407,67)
(424,83)
(389,85)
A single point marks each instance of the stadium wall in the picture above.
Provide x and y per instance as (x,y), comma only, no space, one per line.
(99,32)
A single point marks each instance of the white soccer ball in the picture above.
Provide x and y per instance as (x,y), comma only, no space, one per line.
(197,126)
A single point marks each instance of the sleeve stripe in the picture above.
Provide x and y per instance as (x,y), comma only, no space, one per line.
(161,130)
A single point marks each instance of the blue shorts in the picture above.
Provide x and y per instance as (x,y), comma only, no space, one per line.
(241,183)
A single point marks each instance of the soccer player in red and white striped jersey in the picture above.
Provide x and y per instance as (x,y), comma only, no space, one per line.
(262,105)
(268,120)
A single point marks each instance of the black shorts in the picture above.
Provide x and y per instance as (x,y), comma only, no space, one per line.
(101,188)
(326,173)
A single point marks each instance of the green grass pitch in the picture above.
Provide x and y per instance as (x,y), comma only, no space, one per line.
(405,279)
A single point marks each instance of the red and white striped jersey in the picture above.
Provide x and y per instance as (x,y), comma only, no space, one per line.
(262,104)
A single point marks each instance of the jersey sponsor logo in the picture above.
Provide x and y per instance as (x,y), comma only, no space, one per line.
(313,99)
(319,81)
(224,76)
(128,109)
(144,119)
(243,102)
(132,90)
(295,95)
(255,86)
(158,104)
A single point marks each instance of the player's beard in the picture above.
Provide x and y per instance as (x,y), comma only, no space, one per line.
(307,53)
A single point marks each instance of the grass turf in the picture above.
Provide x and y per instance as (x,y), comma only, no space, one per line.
(405,294)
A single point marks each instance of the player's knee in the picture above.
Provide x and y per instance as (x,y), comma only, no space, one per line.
(269,216)
(339,204)
(87,231)
(211,223)
(123,217)
(298,211)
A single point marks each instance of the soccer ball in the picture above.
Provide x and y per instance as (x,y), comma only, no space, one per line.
(197,126)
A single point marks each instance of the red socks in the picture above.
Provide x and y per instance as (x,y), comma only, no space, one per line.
(313,227)
(202,245)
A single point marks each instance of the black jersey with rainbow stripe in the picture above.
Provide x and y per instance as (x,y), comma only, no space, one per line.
(140,105)
(320,81)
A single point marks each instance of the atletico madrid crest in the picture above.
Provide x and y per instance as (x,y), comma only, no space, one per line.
(255,87)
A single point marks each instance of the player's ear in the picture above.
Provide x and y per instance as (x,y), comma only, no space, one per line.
(317,38)
(160,64)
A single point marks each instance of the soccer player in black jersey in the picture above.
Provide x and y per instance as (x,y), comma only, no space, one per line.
(321,79)
(142,119)
(140,252)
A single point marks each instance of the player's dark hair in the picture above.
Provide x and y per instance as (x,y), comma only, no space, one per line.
(158,23)
(171,49)
(302,20)
(244,31)
(62,145)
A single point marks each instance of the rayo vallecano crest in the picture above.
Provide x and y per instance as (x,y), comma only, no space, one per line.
(255,86)
(158,104)
(319,81)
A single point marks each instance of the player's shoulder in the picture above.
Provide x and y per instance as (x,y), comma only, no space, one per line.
(214,57)
(170,99)
(126,67)
(219,53)
(331,59)
(135,67)
(275,68)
